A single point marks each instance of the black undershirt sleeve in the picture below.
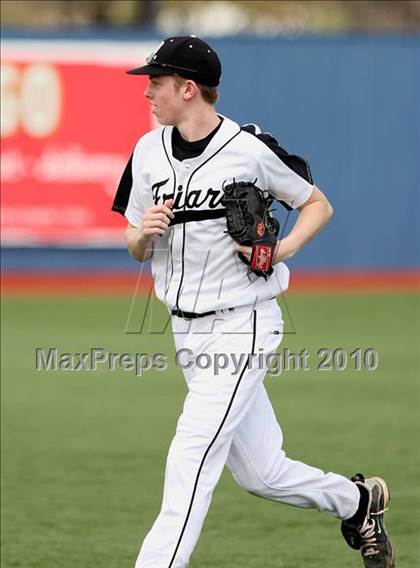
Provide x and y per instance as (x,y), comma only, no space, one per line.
(124,189)
(296,163)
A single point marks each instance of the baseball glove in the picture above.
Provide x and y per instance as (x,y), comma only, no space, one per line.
(249,222)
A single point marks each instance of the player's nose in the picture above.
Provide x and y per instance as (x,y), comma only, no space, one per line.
(147,93)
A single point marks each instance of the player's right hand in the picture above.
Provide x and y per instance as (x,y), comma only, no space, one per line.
(156,219)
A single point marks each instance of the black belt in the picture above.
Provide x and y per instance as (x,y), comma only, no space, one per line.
(192,315)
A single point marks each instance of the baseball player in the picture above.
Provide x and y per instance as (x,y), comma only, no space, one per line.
(186,187)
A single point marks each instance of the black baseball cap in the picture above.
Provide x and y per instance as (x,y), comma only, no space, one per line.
(187,56)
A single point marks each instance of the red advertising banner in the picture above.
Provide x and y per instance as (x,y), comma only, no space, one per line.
(70,117)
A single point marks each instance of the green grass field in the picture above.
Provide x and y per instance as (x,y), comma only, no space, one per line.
(83,453)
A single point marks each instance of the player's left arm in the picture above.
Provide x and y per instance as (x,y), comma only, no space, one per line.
(314,214)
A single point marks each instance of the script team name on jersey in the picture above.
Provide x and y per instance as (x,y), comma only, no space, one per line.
(195,198)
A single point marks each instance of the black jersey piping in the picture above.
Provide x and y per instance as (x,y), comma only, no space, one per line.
(235,390)
(183,225)
(172,239)
(197,215)
(169,259)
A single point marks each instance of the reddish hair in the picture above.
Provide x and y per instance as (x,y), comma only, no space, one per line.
(209,94)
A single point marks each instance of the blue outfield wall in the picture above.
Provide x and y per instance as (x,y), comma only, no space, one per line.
(351,106)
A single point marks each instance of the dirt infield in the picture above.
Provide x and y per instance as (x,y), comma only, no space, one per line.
(108,283)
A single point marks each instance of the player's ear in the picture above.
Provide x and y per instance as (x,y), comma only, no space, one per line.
(190,90)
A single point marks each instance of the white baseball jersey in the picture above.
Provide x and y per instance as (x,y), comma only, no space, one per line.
(195,265)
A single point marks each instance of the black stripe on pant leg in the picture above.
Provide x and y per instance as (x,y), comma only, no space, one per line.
(254,333)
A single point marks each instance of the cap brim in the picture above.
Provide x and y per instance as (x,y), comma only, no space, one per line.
(151,70)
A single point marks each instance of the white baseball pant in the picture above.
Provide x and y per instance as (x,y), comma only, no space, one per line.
(228,419)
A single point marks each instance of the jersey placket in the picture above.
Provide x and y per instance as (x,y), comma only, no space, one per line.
(182,172)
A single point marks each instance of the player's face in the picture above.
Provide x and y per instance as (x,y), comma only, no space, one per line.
(165,99)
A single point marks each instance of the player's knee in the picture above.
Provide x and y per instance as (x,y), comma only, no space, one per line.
(251,483)
(267,483)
